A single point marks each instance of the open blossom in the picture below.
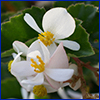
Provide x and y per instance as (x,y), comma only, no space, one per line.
(39,68)
(57,24)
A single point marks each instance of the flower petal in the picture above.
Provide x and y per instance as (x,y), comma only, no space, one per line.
(39,46)
(24,93)
(75,68)
(59,22)
(59,75)
(64,84)
(77,86)
(31,22)
(52,48)
(49,88)
(20,47)
(59,58)
(37,80)
(22,68)
(34,54)
(46,52)
(61,92)
(17,58)
(74,94)
(70,44)
(27,87)
(54,84)
(35,46)
(31,95)
(14,55)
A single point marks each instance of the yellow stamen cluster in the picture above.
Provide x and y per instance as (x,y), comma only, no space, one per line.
(9,65)
(46,38)
(39,90)
(40,67)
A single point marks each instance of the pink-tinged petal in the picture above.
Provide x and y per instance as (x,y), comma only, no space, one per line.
(52,48)
(31,22)
(27,87)
(59,22)
(53,84)
(59,58)
(48,87)
(22,68)
(69,44)
(37,80)
(59,75)
(77,86)
(20,47)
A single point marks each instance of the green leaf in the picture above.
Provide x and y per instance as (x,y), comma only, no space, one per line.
(9,52)
(6,59)
(80,36)
(66,4)
(5,16)
(90,17)
(17,29)
(10,88)
(29,42)
(4,71)
(19,5)
(94,59)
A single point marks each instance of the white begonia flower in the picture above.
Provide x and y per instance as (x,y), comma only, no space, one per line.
(78,83)
(57,24)
(20,47)
(40,66)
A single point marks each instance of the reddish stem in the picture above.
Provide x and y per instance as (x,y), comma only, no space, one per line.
(68,81)
(79,62)
(90,67)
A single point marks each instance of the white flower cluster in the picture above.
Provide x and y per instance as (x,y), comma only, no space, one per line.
(46,65)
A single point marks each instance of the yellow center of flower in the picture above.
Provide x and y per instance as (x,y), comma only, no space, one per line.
(38,68)
(46,38)
(39,90)
(9,65)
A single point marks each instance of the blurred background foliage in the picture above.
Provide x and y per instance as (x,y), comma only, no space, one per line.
(10,88)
